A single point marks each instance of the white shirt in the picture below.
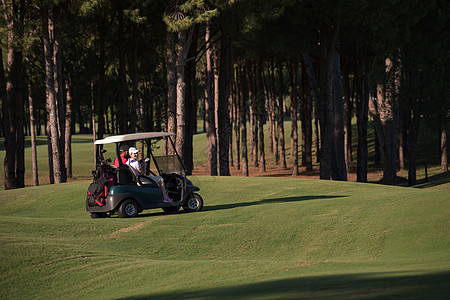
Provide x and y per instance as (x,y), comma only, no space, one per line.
(134,164)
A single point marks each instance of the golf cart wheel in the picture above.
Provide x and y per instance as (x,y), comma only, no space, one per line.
(171,209)
(128,209)
(194,203)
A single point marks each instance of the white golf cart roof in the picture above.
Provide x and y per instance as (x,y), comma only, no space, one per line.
(133,137)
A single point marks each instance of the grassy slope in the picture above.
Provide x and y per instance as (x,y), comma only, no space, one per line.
(256,238)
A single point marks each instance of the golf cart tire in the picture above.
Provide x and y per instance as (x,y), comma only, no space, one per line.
(194,203)
(128,209)
(171,209)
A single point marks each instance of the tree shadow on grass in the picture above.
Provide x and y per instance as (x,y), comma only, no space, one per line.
(435,180)
(383,285)
(268,201)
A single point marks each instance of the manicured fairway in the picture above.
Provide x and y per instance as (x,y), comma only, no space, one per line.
(257,238)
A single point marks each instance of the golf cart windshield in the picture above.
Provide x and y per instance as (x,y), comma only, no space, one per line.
(169,164)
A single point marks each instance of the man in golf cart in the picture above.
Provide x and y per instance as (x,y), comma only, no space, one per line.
(123,156)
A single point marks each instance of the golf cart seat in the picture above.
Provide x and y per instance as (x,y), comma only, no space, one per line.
(125,175)
(147,181)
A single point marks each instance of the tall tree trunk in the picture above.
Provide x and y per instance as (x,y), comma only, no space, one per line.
(9,131)
(123,90)
(184,43)
(68,135)
(253,113)
(134,79)
(225,72)
(347,115)
(316,96)
(273,105)
(268,104)
(58,77)
(362,110)
(243,99)
(94,137)
(33,138)
(261,113)
(51,97)
(101,78)
(326,115)
(12,94)
(385,113)
(444,155)
(306,114)
(210,118)
(400,141)
(171,88)
(413,132)
(280,121)
(339,167)
(235,116)
(191,104)
(216,110)
(293,70)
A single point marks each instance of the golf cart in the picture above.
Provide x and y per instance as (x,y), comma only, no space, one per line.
(126,192)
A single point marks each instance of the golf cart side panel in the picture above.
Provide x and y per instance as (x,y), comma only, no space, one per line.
(146,196)
(112,203)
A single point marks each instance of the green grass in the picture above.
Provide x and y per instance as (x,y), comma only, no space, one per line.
(256,238)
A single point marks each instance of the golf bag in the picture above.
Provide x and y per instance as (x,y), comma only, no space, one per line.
(98,191)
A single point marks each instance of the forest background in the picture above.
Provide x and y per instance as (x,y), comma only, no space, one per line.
(132,66)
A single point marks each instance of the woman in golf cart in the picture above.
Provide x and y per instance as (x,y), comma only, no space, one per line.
(139,170)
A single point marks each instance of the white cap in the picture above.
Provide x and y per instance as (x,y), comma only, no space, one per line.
(133,150)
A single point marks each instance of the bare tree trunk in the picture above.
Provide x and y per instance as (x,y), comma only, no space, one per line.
(102,101)
(268,104)
(413,132)
(243,99)
(306,119)
(273,111)
(230,130)
(210,120)
(347,115)
(235,117)
(9,130)
(191,103)
(261,113)
(339,168)
(171,88)
(123,115)
(93,122)
(33,138)
(326,116)
(444,155)
(253,113)
(225,72)
(184,43)
(280,121)
(385,113)
(12,94)
(58,77)
(134,79)
(362,111)
(316,96)
(68,135)
(51,97)
(293,70)
(216,108)
(400,141)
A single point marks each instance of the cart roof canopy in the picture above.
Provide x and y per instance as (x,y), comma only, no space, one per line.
(133,137)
